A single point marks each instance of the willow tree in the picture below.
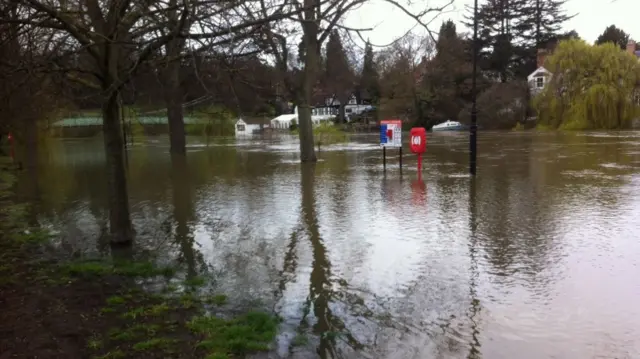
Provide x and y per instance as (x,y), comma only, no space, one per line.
(592,87)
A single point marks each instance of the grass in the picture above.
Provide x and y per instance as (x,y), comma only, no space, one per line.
(150,311)
(155,344)
(94,343)
(195,281)
(118,268)
(218,299)
(116,354)
(300,340)
(116,300)
(134,332)
(247,333)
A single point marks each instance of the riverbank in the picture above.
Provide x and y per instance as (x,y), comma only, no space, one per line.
(106,308)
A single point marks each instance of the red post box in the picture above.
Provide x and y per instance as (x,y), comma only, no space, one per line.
(418,143)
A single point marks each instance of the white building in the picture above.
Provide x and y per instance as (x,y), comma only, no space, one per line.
(331,106)
(283,122)
(541,76)
(246,127)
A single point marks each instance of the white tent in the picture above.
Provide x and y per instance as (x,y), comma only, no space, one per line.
(284,121)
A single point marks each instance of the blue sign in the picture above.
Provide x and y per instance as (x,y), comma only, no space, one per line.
(383,134)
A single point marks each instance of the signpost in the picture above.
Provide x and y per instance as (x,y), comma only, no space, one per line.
(390,136)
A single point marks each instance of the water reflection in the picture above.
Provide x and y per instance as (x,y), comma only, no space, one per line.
(183,212)
(534,258)
(319,287)
(419,190)
(474,310)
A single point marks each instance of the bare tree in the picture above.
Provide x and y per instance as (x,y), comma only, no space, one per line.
(214,28)
(106,42)
(401,68)
(315,21)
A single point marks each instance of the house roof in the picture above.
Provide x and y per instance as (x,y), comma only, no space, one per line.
(539,71)
(285,117)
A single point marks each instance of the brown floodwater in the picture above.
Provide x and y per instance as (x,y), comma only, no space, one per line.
(537,257)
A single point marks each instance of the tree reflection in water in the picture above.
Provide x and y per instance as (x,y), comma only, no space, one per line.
(474,310)
(328,327)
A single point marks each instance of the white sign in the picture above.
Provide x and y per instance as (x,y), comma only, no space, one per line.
(391,133)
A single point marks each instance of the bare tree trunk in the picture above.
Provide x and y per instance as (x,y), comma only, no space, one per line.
(342,111)
(173,100)
(173,93)
(310,26)
(120,227)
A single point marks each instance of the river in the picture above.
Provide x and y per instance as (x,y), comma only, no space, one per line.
(537,257)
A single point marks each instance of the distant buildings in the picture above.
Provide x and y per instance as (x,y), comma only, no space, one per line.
(358,102)
(325,109)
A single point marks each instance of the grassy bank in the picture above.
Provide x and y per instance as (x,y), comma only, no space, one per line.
(100,309)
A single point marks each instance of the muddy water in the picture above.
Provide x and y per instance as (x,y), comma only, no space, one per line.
(538,257)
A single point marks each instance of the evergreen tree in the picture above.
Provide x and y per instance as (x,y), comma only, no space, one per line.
(511,31)
(540,27)
(339,76)
(615,35)
(496,21)
(445,88)
(369,78)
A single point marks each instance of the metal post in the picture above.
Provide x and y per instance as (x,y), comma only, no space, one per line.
(473,129)
(400,158)
(384,158)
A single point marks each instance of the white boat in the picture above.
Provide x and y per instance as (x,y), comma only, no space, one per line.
(448,126)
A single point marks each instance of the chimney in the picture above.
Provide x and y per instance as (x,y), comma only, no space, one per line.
(541,57)
(631,47)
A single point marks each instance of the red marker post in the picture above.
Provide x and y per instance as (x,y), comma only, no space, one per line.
(418,144)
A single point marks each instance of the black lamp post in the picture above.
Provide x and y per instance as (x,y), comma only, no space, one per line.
(473,129)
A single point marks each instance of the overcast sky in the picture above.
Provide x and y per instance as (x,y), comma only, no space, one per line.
(593,16)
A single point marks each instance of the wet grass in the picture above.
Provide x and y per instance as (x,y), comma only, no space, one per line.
(102,302)
(119,268)
(250,332)
(300,340)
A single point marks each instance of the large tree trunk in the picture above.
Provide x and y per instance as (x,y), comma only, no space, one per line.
(120,228)
(173,100)
(307,146)
(173,93)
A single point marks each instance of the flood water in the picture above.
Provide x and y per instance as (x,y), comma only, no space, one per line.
(538,257)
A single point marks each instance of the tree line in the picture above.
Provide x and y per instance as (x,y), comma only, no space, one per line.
(254,57)
(79,52)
